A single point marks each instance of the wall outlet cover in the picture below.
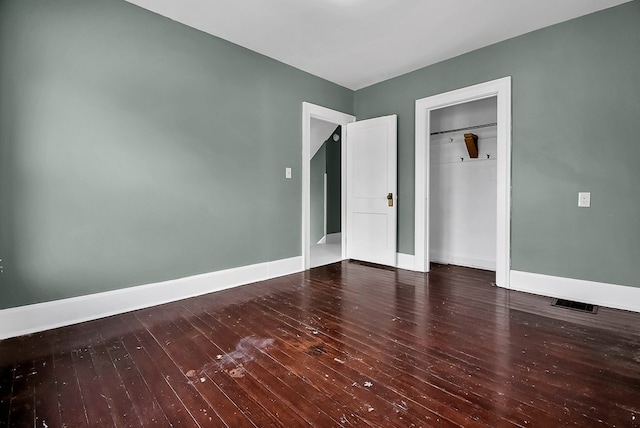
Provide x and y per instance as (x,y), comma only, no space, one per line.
(584,199)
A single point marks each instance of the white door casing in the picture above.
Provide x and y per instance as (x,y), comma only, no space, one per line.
(371,176)
(501,89)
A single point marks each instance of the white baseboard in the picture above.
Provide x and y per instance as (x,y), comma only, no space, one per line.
(406,261)
(473,262)
(595,293)
(44,316)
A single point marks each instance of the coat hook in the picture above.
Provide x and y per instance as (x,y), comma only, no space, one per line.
(461,159)
(451,139)
(488,155)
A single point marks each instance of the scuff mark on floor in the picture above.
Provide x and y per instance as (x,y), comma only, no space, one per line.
(245,351)
(108,400)
(238,372)
(401,406)
(368,407)
(313,330)
(316,350)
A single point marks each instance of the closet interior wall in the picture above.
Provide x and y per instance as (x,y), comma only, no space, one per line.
(463,189)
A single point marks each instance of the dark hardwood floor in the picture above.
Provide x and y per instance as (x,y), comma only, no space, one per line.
(341,345)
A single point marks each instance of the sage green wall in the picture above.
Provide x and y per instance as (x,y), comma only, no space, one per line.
(334,183)
(317,169)
(134,149)
(326,160)
(576,107)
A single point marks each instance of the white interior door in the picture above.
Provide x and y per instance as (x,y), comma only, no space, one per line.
(371,190)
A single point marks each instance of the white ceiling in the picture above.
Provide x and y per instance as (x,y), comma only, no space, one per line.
(356,43)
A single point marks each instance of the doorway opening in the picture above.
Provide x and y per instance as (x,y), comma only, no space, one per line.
(325,193)
(499,89)
(323,122)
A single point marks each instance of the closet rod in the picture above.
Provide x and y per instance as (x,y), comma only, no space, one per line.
(465,129)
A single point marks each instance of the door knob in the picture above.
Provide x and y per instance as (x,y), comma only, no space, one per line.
(390,199)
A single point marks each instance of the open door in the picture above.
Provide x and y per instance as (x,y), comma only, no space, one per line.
(372,190)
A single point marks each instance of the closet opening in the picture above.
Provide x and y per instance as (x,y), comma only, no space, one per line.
(500,91)
(463,184)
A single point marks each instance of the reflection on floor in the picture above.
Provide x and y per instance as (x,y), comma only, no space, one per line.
(324,254)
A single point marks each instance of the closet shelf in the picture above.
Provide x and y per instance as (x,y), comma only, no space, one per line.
(487,125)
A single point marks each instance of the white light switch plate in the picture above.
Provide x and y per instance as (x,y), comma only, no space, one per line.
(287,172)
(584,199)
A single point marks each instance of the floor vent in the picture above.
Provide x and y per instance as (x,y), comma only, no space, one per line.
(575,306)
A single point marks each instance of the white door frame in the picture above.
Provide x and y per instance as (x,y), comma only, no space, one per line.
(500,88)
(315,111)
